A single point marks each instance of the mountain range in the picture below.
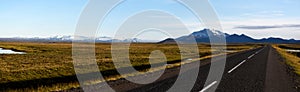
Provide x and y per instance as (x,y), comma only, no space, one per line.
(203,36)
(69,38)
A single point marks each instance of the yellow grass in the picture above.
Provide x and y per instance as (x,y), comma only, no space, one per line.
(54,61)
(291,60)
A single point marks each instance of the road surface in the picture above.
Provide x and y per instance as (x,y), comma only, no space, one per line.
(257,70)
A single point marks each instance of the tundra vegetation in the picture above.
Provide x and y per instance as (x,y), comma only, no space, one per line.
(49,66)
(291,57)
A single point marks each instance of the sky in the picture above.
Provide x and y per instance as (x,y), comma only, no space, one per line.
(255,18)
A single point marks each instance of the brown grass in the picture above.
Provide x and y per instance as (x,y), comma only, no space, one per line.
(291,59)
(49,66)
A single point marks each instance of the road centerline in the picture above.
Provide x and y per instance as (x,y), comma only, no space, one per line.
(237,66)
(209,86)
(244,61)
(251,56)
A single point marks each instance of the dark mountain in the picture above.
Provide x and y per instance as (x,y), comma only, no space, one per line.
(278,40)
(167,41)
(204,36)
(239,39)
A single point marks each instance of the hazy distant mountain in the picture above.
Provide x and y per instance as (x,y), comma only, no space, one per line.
(68,38)
(168,40)
(200,36)
(203,37)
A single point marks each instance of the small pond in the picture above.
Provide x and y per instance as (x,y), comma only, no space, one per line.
(290,50)
(294,51)
(5,51)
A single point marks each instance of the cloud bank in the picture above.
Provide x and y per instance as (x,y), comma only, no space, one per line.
(268,27)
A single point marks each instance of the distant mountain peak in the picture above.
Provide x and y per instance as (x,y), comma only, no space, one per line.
(70,38)
(205,35)
(168,40)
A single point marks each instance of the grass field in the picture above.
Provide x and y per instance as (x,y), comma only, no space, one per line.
(49,66)
(292,58)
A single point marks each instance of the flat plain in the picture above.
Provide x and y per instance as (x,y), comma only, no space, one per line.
(49,66)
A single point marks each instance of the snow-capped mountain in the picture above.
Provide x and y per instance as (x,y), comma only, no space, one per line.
(104,38)
(61,38)
(205,35)
(202,36)
(69,38)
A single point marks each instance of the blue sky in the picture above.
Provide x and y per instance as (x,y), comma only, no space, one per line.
(45,18)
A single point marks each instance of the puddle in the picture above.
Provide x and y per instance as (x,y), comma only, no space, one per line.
(5,51)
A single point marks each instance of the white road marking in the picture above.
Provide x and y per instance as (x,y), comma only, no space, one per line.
(209,86)
(259,51)
(251,56)
(236,66)
(244,61)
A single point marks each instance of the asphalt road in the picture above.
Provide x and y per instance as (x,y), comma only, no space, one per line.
(257,70)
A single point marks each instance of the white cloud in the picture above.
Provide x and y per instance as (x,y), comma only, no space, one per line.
(284,32)
(264,14)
